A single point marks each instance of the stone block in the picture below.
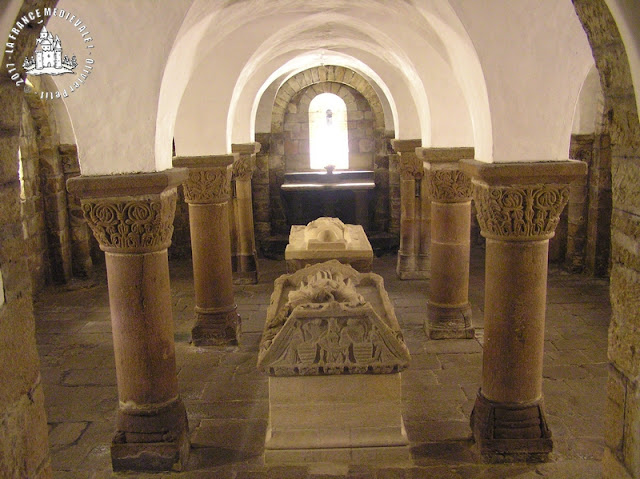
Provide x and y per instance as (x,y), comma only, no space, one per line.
(624,329)
(328,412)
(625,175)
(614,411)
(328,238)
(631,447)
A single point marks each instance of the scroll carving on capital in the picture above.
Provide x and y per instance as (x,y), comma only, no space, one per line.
(208,185)
(410,166)
(450,186)
(243,167)
(320,323)
(520,212)
(135,226)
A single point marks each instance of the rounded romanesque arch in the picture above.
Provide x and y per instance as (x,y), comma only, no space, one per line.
(324,74)
(289,137)
(622,433)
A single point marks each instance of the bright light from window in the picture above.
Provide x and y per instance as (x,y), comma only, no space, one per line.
(328,136)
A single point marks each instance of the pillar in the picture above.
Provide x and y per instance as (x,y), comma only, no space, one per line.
(448,308)
(518,205)
(131,216)
(415,227)
(207,191)
(244,257)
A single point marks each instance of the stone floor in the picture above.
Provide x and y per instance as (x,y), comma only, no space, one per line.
(226,397)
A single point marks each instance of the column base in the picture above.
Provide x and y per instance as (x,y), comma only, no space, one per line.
(151,440)
(245,269)
(219,328)
(449,322)
(411,266)
(510,432)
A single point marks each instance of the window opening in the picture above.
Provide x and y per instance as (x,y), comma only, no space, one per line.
(328,134)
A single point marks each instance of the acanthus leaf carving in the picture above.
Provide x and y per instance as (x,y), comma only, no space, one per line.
(410,166)
(208,185)
(243,167)
(450,185)
(520,212)
(132,225)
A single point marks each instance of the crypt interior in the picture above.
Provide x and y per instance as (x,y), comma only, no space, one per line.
(164,226)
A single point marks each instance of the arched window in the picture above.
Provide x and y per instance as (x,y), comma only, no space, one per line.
(328,137)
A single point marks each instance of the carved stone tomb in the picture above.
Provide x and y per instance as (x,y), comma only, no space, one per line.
(328,238)
(333,350)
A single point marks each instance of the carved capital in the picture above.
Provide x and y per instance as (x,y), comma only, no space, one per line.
(449,185)
(129,213)
(243,167)
(209,179)
(126,225)
(410,166)
(519,212)
(521,201)
(208,185)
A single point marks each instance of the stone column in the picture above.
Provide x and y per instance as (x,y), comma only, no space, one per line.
(519,205)
(207,190)
(448,309)
(244,257)
(413,255)
(131,216)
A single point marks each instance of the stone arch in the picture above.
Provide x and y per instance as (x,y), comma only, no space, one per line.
(621,458)
(361,127)
(22,413)
(64,232)
(293,98)
(328,73)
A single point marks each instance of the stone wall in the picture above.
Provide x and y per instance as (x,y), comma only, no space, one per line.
(286,147)
(622,420)
(24,449)
(32,204)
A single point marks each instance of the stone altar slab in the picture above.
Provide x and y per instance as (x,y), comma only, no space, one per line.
(333,349)
(328,238)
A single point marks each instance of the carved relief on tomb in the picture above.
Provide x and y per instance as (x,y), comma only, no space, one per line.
(520,212)
(449,186)
(133,225)
(208,185)
(243,167)
(326,326)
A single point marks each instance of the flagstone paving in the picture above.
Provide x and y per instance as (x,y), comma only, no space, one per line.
(227,401)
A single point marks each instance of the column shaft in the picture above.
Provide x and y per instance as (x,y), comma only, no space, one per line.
(424,238)
(407,258)
(519,207)
(515,303)
(413,254)
(244,257)
(132,217)
(207,191)
(448,309)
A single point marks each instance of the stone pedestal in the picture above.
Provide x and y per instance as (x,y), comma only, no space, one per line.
(325,239)
(334,351)
(448,309)
(131,216)
(244,259)
(207,191)
(519,205)
(415,216)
